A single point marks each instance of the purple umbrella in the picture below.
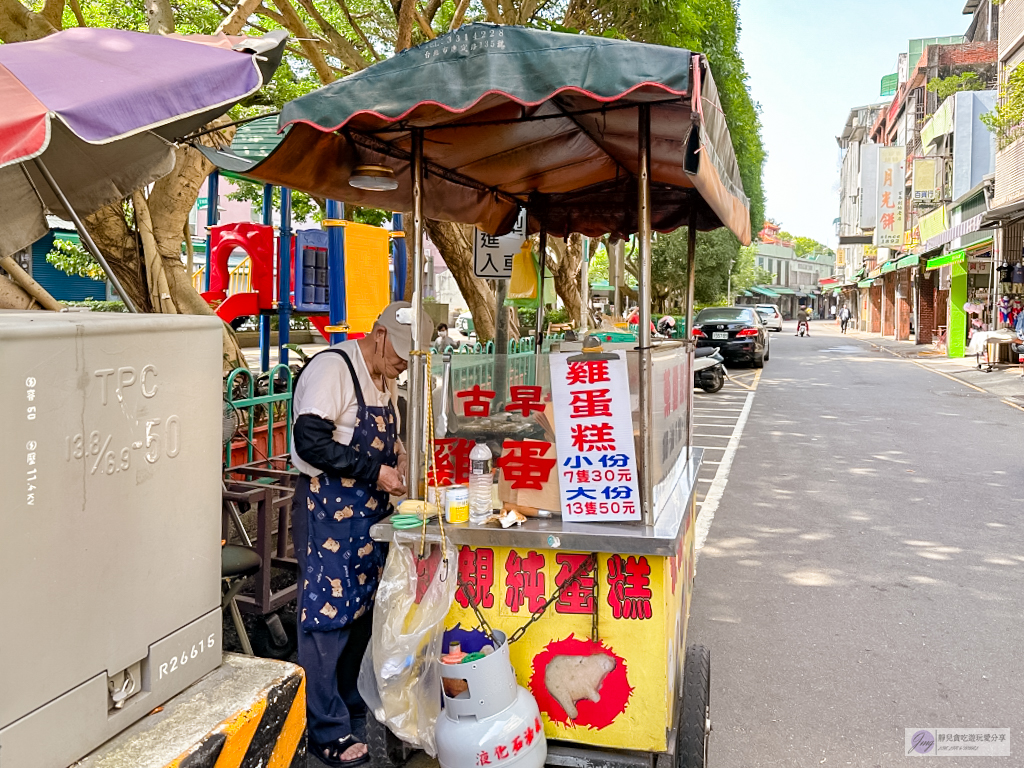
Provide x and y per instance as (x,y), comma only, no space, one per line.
(89,116)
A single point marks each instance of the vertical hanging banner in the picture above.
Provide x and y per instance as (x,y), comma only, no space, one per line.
(890,199)
(493,254)
(597,469)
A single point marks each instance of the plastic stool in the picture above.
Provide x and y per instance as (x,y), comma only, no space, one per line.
(236,563)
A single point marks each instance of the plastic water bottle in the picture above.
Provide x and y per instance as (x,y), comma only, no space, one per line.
(480,482)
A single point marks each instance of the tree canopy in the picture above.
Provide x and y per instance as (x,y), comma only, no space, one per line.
(333,38)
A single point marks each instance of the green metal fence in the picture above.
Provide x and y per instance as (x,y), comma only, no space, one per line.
(259,411)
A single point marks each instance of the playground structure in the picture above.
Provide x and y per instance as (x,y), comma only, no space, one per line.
(312,281)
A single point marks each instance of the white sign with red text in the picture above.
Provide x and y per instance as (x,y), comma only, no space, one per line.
(597,470)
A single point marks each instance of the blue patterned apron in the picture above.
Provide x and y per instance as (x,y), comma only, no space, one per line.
(343,564)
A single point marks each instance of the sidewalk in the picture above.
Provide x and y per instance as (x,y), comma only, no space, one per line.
(1004,381)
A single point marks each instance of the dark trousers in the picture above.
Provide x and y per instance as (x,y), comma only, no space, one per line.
(844,323)
(334,708)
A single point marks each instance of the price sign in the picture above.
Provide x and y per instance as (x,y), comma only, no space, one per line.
(597,469)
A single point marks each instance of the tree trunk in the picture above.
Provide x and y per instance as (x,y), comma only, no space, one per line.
(18,23)
(13,296)
(567,275)
(160,17)
(455,242)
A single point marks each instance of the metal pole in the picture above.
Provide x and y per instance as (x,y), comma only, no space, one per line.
(83,233)
(284,272)
(268,219)
(336,269)
(585,287)
(542,250)
(415,414)
(500,382)
(212,215)
(643,211)
(400,258)
(691,277)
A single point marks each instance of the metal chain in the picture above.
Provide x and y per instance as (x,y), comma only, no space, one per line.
(585,567)
(484,626)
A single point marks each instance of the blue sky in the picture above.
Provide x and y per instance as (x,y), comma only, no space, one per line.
(809,63)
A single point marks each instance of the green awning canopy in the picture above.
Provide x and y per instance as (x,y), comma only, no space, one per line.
(908,261)
(512,117)
(765,291)
(865,283)
(252,143)
(947,258)
(889,266)
(784,291)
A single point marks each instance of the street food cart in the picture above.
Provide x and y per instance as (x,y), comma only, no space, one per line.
(593,136)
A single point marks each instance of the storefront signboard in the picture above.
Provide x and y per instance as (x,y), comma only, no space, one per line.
(890,197)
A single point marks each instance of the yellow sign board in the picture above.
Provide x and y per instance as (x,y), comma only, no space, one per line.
(604,661)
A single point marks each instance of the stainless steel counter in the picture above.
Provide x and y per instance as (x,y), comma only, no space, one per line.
(551,533)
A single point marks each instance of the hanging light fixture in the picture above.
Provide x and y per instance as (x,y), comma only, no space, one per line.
(374,178)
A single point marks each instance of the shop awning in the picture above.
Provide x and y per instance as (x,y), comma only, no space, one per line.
(764,291)
(802,294)
(946,258)
(784,291)
(972,224)
(513,118)
(908,261)
(865,283)
(888,267)
(747,294)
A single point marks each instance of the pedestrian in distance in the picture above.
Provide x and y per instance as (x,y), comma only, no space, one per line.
(346,447)
(844,318)
(443,340)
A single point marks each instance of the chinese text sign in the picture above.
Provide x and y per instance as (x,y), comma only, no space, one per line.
(891,193)
(492,255)
(597,468)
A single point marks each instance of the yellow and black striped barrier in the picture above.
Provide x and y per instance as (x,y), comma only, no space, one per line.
(247,713)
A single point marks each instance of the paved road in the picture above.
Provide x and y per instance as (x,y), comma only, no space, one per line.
(864,572)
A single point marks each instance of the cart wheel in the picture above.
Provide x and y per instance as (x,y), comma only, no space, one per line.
(386,750)
(264,642)
(695,724)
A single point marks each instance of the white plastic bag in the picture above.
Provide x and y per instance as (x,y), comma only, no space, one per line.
(412,601)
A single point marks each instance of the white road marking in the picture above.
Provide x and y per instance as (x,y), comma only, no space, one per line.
(714,494)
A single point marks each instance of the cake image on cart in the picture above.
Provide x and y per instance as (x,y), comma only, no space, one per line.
(590,588)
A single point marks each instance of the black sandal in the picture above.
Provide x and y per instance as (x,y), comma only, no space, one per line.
(331,752)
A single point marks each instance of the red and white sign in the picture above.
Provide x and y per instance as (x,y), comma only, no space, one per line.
(597,468)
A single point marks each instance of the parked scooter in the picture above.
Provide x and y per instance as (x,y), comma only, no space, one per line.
(708,369)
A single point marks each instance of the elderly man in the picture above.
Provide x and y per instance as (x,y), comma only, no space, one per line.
(345,443)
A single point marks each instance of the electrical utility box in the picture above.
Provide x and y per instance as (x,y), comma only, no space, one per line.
(110,489)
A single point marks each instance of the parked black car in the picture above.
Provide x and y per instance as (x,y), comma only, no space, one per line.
(737,332)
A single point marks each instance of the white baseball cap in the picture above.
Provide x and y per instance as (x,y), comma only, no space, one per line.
(396,318)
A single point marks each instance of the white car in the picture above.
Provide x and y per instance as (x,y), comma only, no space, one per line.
(770,316)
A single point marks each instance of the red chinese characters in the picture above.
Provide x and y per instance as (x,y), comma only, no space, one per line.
(477,400)
(476,570)
(590,403)
(524,465)
(524,400)
(577,597)
(630,587)
(588,372)
(592,437)
(524,581)
(888,220)
(451,460)
(519,742)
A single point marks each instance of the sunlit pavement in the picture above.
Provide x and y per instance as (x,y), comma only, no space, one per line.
(864,571)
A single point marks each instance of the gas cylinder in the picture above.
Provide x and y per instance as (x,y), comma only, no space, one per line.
(491,721)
